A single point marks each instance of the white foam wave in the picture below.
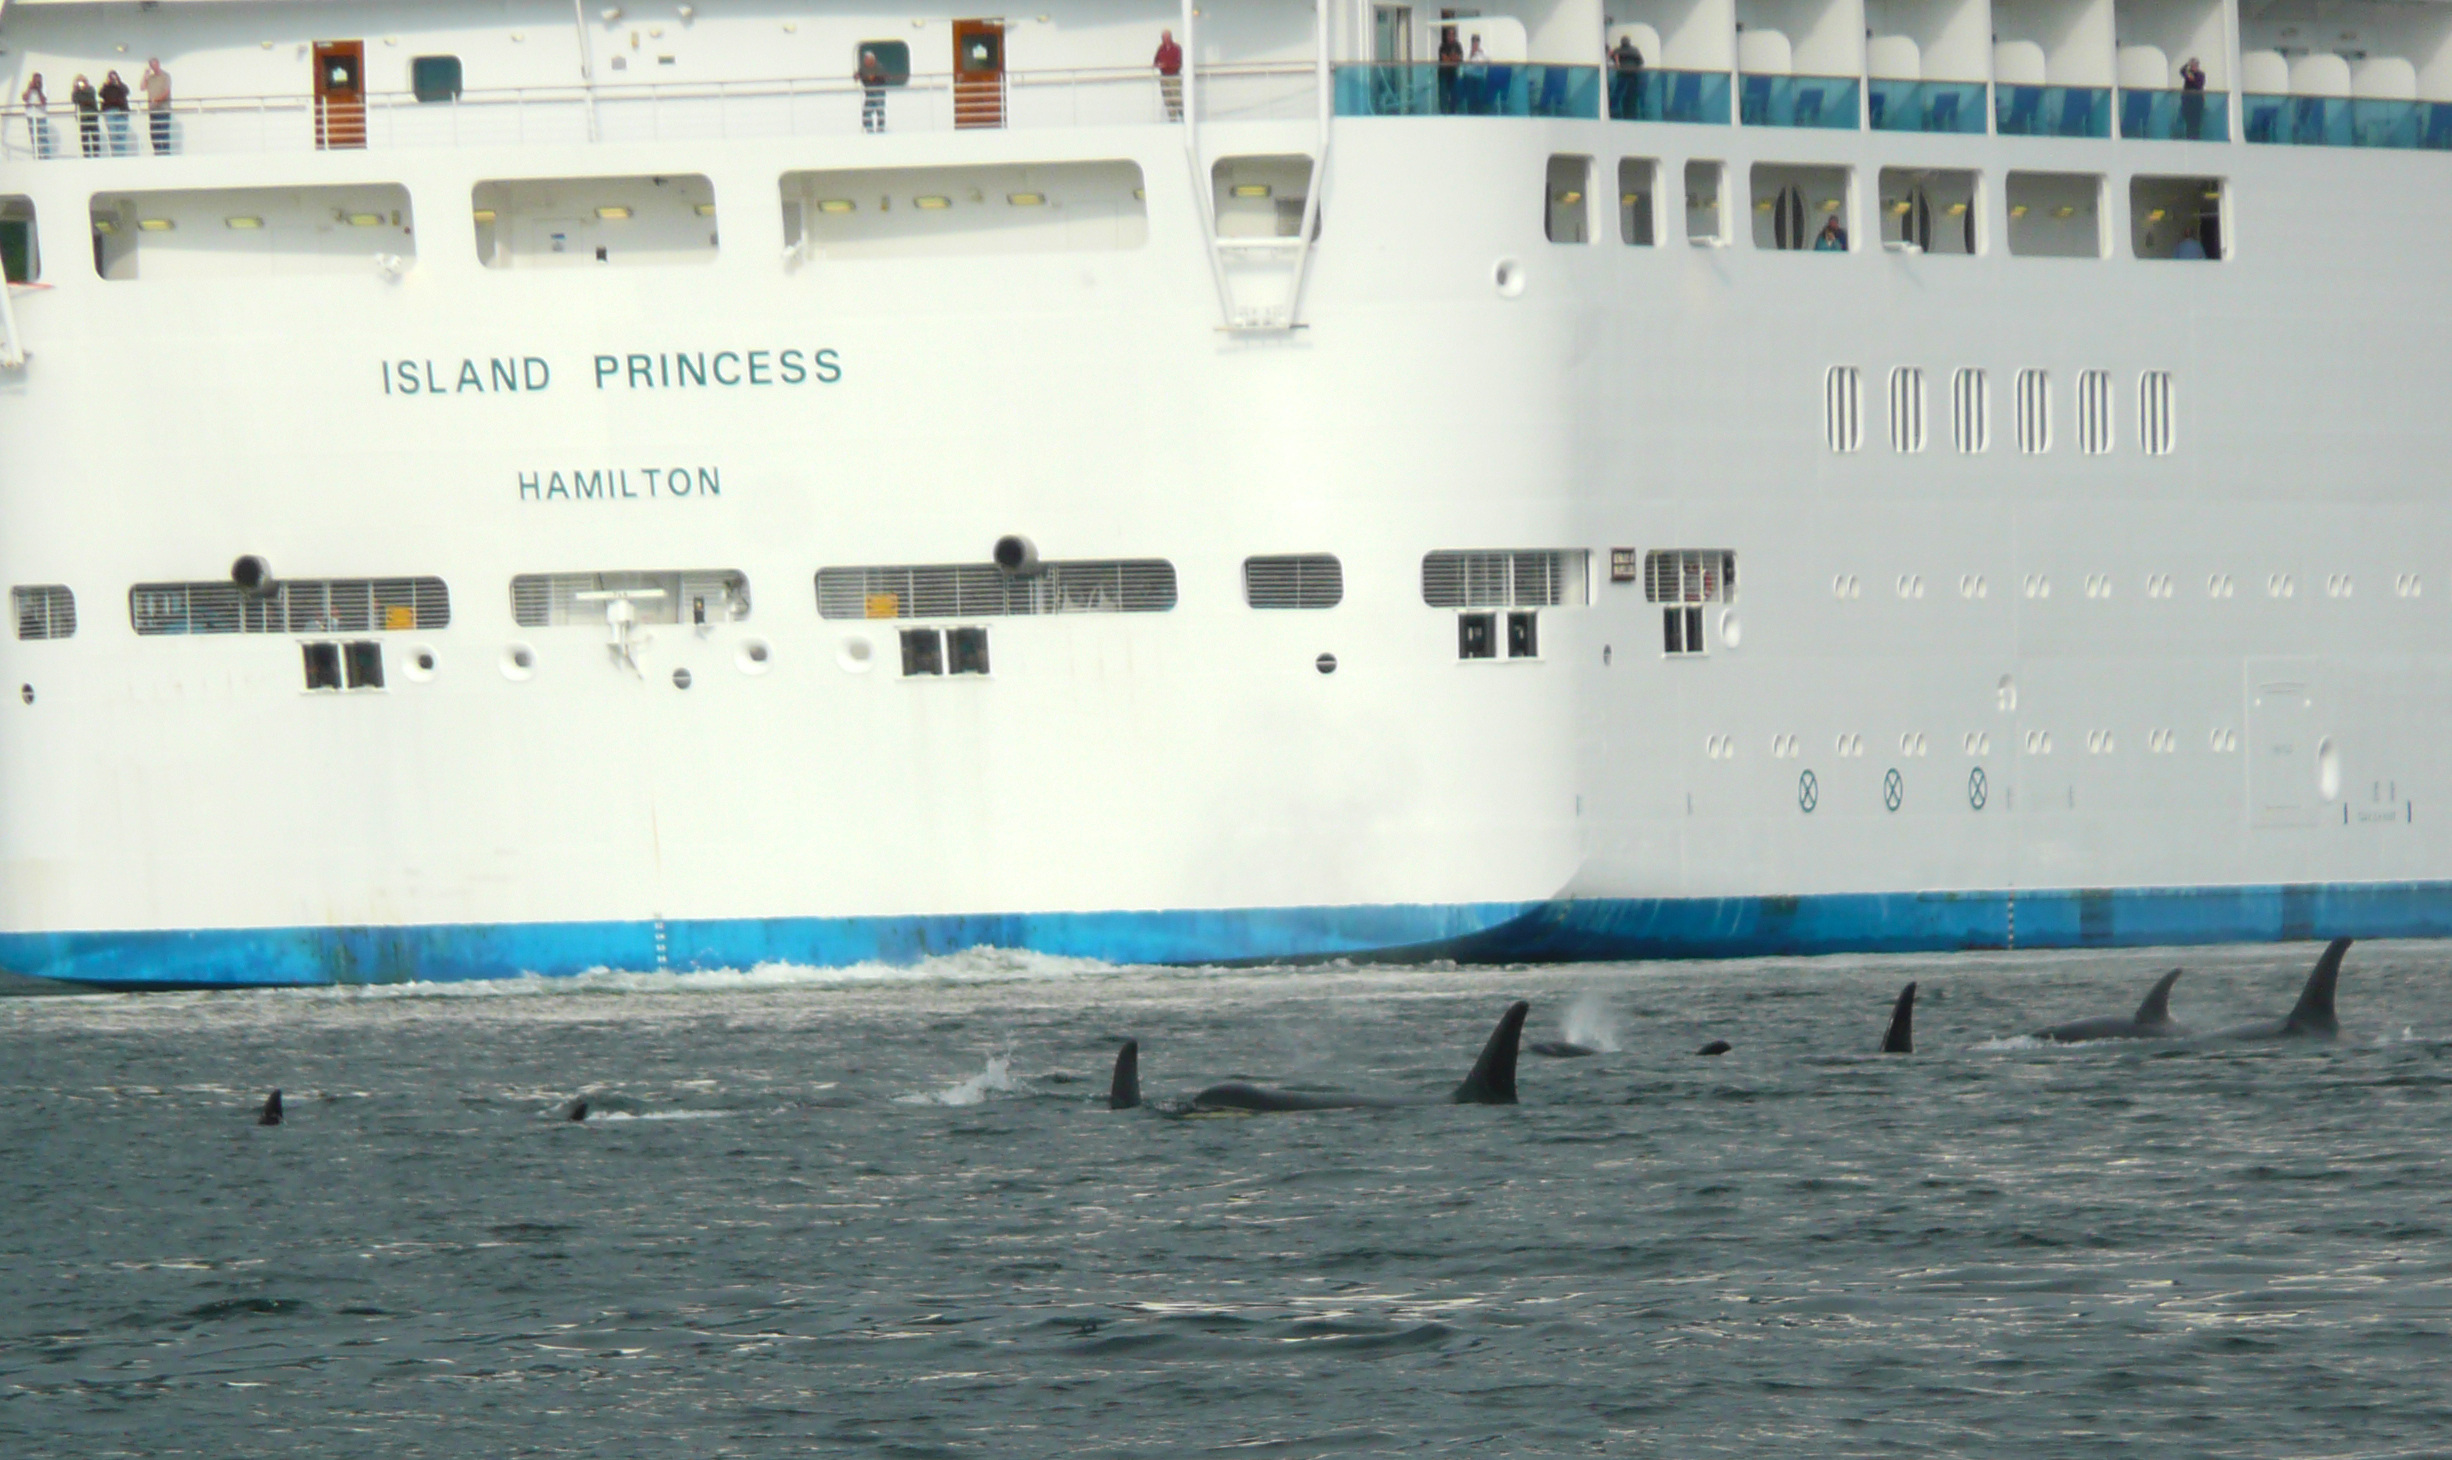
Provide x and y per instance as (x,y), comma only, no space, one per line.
(611,1115)
(2014,1042)
(996,1079)
(970,966)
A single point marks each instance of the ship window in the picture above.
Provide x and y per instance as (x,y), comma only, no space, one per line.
(1931,210)
(923,652)
(893,59)
(435,78)
(1907,409)
(691,596)
(45,611)
(2034,412)
(21,259)
(966,651)
(1842,408)
(579,222)
(1477,636)
(1503,579)
(1308,580)
(244,233)
(982,590)
(2175,217)
(1524,634)
(2153,412)
(291,606)
(1567,210)
(323,665)
(364,660)
(2056,215)
(1638,182)
(987,208)
(1259,197)
(1971,412)
(1681,580)
(1795,205)
(1706,207)
(2094,431)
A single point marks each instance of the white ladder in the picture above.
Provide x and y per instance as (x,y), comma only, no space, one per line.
(1259,280)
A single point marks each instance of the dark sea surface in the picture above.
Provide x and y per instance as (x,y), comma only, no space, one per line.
(887,1212)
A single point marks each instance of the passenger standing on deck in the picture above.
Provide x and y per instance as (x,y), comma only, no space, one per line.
(1169,62)
(156,82)
(1451,56)
(1477,78)
(89,124)
(1832,238)
(115,112)
(2189,246)
(38,120)
(1626,85)
(2192,99)
(872,92)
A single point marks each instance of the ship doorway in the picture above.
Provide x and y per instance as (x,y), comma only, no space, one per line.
(979,73)
(1392,34)
(340,95)
(2283,763)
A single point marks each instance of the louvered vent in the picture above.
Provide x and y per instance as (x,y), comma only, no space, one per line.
(1970,412)
(1907,410)
(674,596)
(45,611)
(1842,409)
(1306,580)
(1502,579)
(2094,433)
(2034,411)
(294,606)
(981,590)
(2154,412)
(1690,575)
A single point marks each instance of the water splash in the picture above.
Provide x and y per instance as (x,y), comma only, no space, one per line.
(1591,1023)
(996,1079)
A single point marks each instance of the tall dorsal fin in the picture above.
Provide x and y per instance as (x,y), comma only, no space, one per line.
(2314,1015)
(1493,1079)
(1900,1037)
(1125,1093)
(2156,1010)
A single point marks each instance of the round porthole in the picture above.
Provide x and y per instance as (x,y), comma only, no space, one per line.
(518,662)
(1732,628)
(1326,664)
(858,654)
(2328,769)
(26,692)
(681,679)
(754,656)
(420,664)
(1508,275)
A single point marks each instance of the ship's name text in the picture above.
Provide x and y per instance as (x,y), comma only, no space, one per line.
(665,370)
(620,483)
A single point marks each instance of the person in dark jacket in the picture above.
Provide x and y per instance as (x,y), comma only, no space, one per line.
(872,92)
(2192,99)
(89,119)
(115,112)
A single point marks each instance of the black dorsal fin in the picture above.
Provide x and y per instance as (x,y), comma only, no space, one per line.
(2156,1010)
(1125,1093)
(2314,1015)
(1900,1037)
(271,1113)
(1493,1079)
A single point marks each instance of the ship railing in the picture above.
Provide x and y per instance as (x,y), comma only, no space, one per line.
(1893,105)
(1477,89)
(2166,115)
(678,111)
(1798,101)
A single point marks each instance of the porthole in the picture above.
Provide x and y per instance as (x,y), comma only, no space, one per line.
(755,656)
(418,664)
(857,654)
(1325,664)
(1508,275)
(518,662)
(681,679)
(1732,629)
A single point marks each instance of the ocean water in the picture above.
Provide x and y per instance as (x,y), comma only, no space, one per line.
(886,1212)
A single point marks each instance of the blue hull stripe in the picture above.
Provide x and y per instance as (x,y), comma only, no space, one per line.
(1541,932)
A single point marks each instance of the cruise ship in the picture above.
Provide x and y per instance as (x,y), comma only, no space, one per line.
(495,488)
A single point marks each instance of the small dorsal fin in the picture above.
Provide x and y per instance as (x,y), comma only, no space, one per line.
(271,1113)
(1900,1037)
(2314,1015)
(1125,1092)
(1493,1079)
(2156,1010)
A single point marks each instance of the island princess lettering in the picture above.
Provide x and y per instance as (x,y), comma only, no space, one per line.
(663,370)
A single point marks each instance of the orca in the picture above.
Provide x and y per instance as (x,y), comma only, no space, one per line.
(2151,1021)
(1900,1037)
(1562,1049)
(578,1109)
(2313,1016)
(271,1113)
(1717,1046)
(1492,1081)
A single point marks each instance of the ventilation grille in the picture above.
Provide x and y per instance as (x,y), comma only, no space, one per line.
(1907,409)
(1842,408)
(2034,411)
(1690,575)
(2094,412)
(700,595)
(1502,579)
(45,611)
(1309,580)
(293,606)
(981,590)
(1971,412)
(2154,412)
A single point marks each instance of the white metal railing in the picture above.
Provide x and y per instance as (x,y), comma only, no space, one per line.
(677,112)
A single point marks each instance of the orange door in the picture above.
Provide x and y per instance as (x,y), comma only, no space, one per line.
(340,94)
(979,73)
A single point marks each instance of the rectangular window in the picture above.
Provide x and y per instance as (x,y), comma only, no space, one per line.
(1971,412)
(923,652)
(584,222)
(1930,210)
(1706,219)
(2056,215)
(1638,183)
(364,660)
(1681,580)
(1907,410)
(2094,430)
(2153,413)
(1681,631)
(1800,208)
(2034,411)
(1306,580)
(673,596)
(1842,419)
(2175,218)
(435,78)
(45,611)
(21,259)
(1524,634)
(1503,579)
(1567,215)
(1011,208)
(253,233)
(1477,636)
(323,665)
(983,590)
(291,606)
(966,651)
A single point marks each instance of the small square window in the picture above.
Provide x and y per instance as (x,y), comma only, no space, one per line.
(323,665)
(893,58)
(923,652)
(365,664)
(435,78)
(1477,636)
(966,651)
(1523,635)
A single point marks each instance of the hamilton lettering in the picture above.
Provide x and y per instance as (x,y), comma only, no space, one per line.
(620,483)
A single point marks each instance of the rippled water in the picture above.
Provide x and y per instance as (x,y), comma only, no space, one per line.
(887,1212)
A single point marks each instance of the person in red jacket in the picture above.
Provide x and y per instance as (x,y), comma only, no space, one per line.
(1169,62)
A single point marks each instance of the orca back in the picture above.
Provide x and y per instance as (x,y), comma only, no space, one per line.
(2156,1010)
(1125,1092)
(2314,1014)
(1900,1037)
(1493,1079)
(271,1113)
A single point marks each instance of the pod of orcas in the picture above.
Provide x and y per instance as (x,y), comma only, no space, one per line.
(1492,1079)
